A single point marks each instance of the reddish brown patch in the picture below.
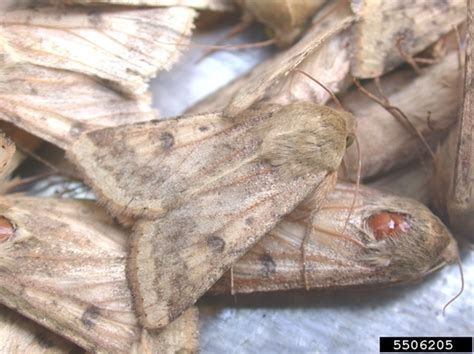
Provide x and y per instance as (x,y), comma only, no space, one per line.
(387,224)
(6,229)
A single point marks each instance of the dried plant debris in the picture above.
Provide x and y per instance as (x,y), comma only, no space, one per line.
(454,178)
(285,18)
(124,47)
(207,188)
(388,32)
(430,101)
(59,105)
(63,265)
(388,240)
(252,87)
(212,5)
(21,335)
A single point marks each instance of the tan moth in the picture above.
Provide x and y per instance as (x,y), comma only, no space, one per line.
(205,189)
(388,240)
(63,266)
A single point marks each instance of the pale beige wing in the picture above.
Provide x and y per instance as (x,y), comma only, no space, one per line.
(416,24)
(62,264)
(123,46)
(21,335)
(212,5)
(354,258)
(58,105)
(268,75)
(174,260)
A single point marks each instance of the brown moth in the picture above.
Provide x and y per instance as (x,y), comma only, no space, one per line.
(21,335)
(328,62)
(388,31)
(429,100)
(388,240)
(285,18)
(212,5)
(206,188)
(454,179)
(63,265)
(123,46)
(58,105)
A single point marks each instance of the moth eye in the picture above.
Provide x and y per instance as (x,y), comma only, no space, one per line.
(349,140)
(6,229)
(387,224)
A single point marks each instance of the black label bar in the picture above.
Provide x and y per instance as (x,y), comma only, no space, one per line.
(426,344)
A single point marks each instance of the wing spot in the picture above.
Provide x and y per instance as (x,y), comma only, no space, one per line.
(203,129)
(167,140)
(249,221)
(268,265)
(89,316)
(216,244)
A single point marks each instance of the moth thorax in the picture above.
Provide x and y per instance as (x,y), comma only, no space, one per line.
(304,138)
(6,229)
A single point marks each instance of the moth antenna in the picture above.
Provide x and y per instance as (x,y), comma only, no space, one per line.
(356,192)
(460,291)
(334,97)
(407,57)
(396,112)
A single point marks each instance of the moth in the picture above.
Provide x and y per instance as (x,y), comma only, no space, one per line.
(21,335)
(454,178)
(212,5)
(123,47)
(388,240)
(58,105)
(389,32)
(322,52)
(205,189)
(429,100)
(63,266)
(285,18)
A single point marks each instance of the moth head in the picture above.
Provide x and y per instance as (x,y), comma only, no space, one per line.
(405,239)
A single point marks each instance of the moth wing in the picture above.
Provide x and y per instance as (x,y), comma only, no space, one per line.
(149,168)
(21,335)
(125,47)
(212,5)
(276,68)
(381,24)
(58,105)
(174,260)
(63,266)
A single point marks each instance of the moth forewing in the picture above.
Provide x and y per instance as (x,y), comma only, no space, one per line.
(388,240)
(63,265)
(388,32)
(454,178)
(206,188)
(212,5)
(58,105)
(21,335)
(285,18)
(123,46)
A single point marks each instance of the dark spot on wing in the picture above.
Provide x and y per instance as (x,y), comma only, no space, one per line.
(43,340)
(167,140)
(94,18)
(249,221)
(203,129)
(89,316)
(268,265)
(216,244)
